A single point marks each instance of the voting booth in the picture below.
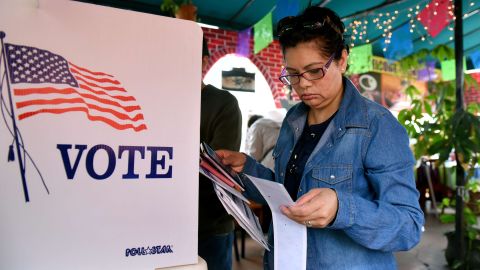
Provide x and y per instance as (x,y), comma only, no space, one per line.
(99,138)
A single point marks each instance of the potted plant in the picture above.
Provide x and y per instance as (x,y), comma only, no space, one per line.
(472,256)
(440,129)
(180,9)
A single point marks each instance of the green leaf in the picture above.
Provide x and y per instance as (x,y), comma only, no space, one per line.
(428,107)
(447,218)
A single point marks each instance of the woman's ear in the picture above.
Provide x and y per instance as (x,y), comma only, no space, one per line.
(342,63)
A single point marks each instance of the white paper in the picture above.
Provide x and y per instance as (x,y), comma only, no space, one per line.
(219,182)
(290,241)
(242,214)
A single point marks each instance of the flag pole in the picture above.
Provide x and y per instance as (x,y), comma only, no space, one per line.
(14,123)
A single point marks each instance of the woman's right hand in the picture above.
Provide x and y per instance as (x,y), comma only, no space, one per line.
(235,160)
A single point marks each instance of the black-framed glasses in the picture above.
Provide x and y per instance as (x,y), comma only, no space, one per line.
(310,75)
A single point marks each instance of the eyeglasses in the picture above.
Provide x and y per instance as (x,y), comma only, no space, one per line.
(291,22)
(310,75)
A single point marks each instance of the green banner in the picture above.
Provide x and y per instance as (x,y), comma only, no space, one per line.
(448,69)
(360,59)
(263,33)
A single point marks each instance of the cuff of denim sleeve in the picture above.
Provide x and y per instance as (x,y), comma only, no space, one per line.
(249,164)
(345,211)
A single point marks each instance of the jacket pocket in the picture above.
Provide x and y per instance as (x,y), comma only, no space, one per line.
(332,174)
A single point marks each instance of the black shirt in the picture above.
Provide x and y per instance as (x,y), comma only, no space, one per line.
(303,149)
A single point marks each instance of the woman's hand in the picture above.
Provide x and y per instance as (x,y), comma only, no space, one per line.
(235,160)
(317,208)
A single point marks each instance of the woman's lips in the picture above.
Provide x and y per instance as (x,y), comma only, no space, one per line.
(308,96)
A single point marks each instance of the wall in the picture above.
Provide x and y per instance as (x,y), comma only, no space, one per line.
(269,60)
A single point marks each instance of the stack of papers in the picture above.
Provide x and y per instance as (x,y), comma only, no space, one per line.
(228,187)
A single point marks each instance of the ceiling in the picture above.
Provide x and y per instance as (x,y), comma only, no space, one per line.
(240,14)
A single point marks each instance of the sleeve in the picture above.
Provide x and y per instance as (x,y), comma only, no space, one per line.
(253,168)
(392,220)
(228,127)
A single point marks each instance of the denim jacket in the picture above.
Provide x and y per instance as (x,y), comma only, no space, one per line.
(364,156)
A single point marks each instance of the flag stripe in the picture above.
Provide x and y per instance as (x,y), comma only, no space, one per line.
(104,101)
(58,101)
(89,116)
(91,72)
(110,88)
(51,90)
(101,80)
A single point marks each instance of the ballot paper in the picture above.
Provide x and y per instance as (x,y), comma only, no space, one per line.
(290,239)
(242,214)
(220,183)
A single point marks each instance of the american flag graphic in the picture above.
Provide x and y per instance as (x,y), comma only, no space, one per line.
(47,83)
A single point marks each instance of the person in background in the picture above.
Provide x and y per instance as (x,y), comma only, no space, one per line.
(253,119)
(344,159)
(262,136)
(220,127)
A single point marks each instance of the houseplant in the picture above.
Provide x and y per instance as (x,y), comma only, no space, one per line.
(180,9)
(440,129)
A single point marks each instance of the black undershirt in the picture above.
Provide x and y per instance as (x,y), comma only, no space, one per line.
(303,149)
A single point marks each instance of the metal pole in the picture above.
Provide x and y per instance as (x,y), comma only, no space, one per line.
(459,107)
(14,123)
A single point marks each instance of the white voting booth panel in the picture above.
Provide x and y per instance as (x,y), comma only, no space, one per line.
(107,106)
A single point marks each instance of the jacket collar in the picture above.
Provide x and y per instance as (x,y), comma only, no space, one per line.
(351,113)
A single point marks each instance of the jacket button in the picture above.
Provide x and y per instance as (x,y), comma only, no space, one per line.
(332,176)
(300,190)
(281,174)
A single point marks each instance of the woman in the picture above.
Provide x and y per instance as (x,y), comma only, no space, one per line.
(344,159)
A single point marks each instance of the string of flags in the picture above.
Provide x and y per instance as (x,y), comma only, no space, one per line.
(396,41)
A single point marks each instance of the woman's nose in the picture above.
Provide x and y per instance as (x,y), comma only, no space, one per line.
(303,83)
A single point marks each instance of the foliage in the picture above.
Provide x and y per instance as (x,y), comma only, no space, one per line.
(439,128)
(433,121)
(468,212)
(171,6)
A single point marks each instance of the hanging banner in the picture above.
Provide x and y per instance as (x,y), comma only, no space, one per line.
(475,57)
(449,69)
(400,44)
(436,16)
(360,59)
(243,42)
(428,73)
(285,8)
(263,33)
(98,174)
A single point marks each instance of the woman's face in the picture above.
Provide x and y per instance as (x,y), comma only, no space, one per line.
(317,94)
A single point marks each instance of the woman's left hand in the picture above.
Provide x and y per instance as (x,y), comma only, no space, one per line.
(317,208)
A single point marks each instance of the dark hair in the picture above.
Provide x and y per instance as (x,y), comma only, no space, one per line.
(253,119)
(205,51)
(318,24)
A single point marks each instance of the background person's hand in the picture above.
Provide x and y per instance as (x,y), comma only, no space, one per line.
(235,160)
(317,208)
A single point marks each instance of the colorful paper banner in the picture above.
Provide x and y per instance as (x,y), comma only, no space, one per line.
(400,44)
(475,57)
(360,59)
(436,16)
(243,42)
(428,73)
(262,33)
(448,69)
(285,8)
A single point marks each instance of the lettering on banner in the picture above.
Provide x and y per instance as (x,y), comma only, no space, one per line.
(160,160)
